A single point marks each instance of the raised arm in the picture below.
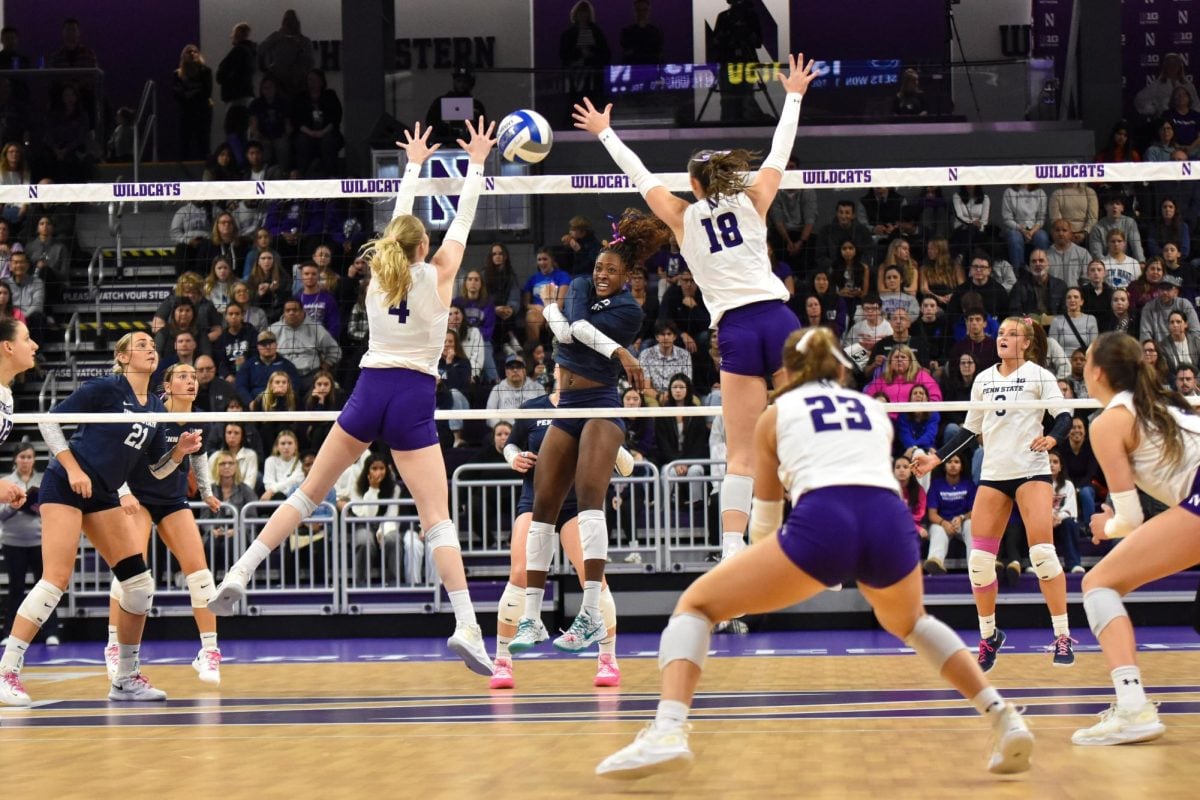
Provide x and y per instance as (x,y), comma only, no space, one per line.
(449,256)
(416,147)
(766,182)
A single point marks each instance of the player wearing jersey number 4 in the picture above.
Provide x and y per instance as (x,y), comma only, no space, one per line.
(827,449)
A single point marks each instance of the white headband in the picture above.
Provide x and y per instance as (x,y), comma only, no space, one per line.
(802,347)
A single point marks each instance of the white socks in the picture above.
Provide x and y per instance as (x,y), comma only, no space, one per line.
(1061,626)
(987,626)
(1131,695)
(533,602)
(127,659)
(14,655)
(671,715)
(208,641)
(988,702)
(591,599)
(464,612)
(255,554)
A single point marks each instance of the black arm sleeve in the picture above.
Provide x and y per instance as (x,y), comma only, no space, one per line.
(958,443)
(1061,427)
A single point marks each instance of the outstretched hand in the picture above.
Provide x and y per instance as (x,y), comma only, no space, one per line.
(589,119)
(416,144)
(800,74)
(481,142)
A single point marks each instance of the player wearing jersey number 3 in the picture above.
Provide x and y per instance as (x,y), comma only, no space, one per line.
(826,449)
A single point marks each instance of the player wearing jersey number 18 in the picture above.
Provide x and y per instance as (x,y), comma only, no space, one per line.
(847,524)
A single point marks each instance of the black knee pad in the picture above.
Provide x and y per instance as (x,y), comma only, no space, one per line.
(129,567)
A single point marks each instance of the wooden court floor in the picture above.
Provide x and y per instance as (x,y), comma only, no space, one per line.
(829,727)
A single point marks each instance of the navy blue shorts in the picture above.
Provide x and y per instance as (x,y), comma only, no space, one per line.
(57,489)
(393,405)
(160,511)
(599,397)
(846,534)
(751,338)
(1010,486)
(570,506)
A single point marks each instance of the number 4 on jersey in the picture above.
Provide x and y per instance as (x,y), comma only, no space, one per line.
(400,312)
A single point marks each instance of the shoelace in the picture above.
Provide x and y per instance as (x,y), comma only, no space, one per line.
(212,658)
(13,681)
(1062,645)
(577,628)
(527,626)
(985,648)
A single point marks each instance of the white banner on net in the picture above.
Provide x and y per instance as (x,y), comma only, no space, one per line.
(597,182)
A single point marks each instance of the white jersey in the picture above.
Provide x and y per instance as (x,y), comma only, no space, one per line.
(725,246)
(1007,433)
(1167,484)
(830,436)
(411,334)
(6,411)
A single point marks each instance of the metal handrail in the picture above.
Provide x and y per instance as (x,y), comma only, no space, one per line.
(49,387)
(72,328)
(149,100)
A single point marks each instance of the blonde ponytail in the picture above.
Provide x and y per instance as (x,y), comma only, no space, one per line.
(392,254)
(814,360)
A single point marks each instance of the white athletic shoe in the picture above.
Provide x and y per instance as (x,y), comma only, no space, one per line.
(12,691)
(625,462)
(530,633)
(112,658)
(135,688)
(467,642)
(652,752)
(1012,742)
(1117,726)
(230,593)
(208,665)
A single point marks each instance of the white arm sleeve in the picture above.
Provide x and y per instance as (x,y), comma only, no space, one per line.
(53,436)
(460,228)
(199,461)
(785,134)
(124,490)
(586,333)
(408,190)
(511,451)
(165,466)
(557,322)
(628,161)
(1127,514)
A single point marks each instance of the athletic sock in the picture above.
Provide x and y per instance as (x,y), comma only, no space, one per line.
(255,554)
(988,702)
(14,655)
(208,641)
(533,601)
(609,646)
(464,612)
(671,715)
(591,598)
(112,634)
(732,542)
(1131,694)
(987,626)
(127,659)
(502,646)
(1061,626)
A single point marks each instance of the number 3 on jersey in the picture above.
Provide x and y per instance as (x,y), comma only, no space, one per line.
(400,312)
(725,234)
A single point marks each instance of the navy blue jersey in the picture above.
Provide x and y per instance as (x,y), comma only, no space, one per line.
(528,434)
(173,488)
(110,452)
(619,317)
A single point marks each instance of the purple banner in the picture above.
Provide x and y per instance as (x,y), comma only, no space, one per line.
(1149,30)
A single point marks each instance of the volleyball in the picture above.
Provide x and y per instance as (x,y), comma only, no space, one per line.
(525,137)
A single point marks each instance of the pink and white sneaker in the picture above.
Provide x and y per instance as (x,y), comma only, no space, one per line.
(135,688)
(112,658)
(208,665)
(607,671)
(502,678)
(12,691)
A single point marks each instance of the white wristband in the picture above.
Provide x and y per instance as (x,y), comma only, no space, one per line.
(511,451)
(1127,514)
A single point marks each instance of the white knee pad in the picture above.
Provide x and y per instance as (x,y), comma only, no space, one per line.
(512,603)
(686,637)
(40,603)
(539,547)
(114,589)
(302,503)
(1102,607)
(736,493)
(608,609)
(593,535)
(1045,562)
(934,641)
(981,566)
(201,587)
(137,594)
(442,535)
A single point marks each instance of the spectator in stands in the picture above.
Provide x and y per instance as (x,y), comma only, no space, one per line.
(320,306)
(267,285)
(1076,203)
(682,438)
(253,316)
(49,256)
(1164,146)
(1185,381)
(845,228)
(1073,329)
(455,384)
(220,165)
(959,377)
(238,444)
(1079,464)
(879,211)
(971,227)
(1154,99)
(235,73)
(948,506)
(1114,219)
(503,287)
(902,372)
(940,276)
(253,375)
(281,471)
(271,123)
(1068,261)
(14,171)
(22,538)
(278,397)
(909,101)
(1182,114)
(28,293)
(120,141)
(375,542)
(183,320)
(324,395)
(257,166)
(1169,227)
(11,56)
(224,240)
(683,305)
(1180,347)
(1158,364)
(664,361)
(539,365)
(479,315)
(230,487)
(219,283)
(1038,294)
(1122,316)
(7,309)
(1148,285)
(811,316)
(931,328)
(902,334)
(262,242)
(478,351)
(648,300)
(582,243)
(833,307)
(980,346)
(68,138)
(287,55)
(191,231)
(547,272)
(639,431)
(212,393)
(305,343)
(892,295)
(871,329)
(448,131)
(191,85)
(1120,268)
(1024,213)
(235,343)
(1066,514)
(911,493)
(791,220)
(899,256)
(515,389)
(190,286)
(1097,293)
(490,511)
(849,274)
(916,431)
(980,282)
(317,118)
(293,224)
